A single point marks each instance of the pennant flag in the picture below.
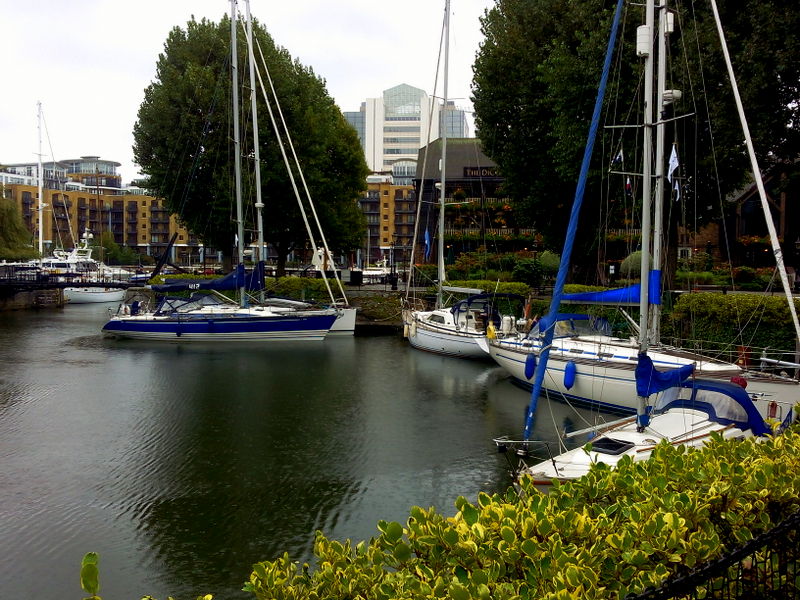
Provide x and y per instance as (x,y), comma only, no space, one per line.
(427,244)
(619,159)
(673,163)
(628,188)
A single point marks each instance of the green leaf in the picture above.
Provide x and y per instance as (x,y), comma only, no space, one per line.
(470,514)
(393,531)
(402,551)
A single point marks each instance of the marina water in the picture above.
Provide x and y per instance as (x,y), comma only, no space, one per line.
(182,465)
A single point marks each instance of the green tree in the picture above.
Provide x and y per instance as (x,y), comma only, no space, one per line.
(15,239)
(553,52)
(183,132)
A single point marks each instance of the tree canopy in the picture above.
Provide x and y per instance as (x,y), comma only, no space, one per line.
(552,51)
(182,142)
(15,239)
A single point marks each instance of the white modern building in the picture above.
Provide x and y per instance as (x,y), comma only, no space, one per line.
(395,126)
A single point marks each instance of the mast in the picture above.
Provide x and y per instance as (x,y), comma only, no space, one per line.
(256,151)
(644,48)
(443,164)
(236,149)
(658,217)
(41,184)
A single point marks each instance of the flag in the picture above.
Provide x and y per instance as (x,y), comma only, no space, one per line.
(673,163)
(619,159)
(628,188)
(427,244)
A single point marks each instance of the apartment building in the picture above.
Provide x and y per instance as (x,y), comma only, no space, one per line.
(86,194)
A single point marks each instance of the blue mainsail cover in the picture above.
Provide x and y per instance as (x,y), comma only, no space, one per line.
(236,279)
(621,296)
(650,381)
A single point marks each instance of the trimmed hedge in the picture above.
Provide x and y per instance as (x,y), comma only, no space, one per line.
(750,319)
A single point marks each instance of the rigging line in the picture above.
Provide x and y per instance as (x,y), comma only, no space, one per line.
(412,273)
(286,162)
(302,177)
(695,227)
(66,210)
(776,248)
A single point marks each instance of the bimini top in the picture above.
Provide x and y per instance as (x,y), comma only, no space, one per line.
(481,301)
(724,402)
(572,325)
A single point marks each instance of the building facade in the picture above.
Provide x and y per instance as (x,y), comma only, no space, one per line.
(86,194)
(395,126)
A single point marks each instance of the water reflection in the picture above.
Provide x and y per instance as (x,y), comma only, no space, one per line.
(183,465)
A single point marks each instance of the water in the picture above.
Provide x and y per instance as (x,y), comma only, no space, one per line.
(183,465)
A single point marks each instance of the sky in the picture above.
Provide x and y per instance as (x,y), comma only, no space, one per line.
(89,61)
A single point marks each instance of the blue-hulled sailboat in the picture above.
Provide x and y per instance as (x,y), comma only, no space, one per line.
(212,316)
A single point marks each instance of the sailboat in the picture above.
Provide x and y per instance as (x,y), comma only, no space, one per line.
(670,404)
(585,363)
(457,329)
(214,317)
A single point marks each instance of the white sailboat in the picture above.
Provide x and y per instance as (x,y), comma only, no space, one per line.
(588,365)
(210,317)
(669,406)
(456,330)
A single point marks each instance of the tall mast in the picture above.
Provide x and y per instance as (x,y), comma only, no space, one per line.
(236,147)
(658,225)
(40,173)
(256,151)
(443,165)
(644,47)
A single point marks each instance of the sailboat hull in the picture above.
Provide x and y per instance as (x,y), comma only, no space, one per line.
(239,327)
(604,374)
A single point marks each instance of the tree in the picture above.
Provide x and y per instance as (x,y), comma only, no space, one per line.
(535,130)
(182,143)
(15,239)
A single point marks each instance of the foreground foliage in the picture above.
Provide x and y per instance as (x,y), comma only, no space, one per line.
(608,534)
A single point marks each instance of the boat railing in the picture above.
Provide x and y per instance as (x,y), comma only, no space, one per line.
(752,357)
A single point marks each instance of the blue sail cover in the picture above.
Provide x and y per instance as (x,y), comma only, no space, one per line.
(236,279)
(621,296)
(650,381)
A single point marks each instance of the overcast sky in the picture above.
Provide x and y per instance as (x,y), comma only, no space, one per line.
(88,61)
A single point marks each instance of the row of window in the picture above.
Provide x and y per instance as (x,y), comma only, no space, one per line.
(401,140)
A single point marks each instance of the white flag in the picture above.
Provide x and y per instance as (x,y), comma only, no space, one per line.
(673,163)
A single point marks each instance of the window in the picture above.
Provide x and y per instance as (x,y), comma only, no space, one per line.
(385,217)
(144,225)
(385,192)
(385,205)
(385,228)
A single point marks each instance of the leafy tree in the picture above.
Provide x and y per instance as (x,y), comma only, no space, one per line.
(553,51)
(15,239)
(183,132)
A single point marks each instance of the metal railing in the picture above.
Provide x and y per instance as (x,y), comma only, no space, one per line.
(764,567)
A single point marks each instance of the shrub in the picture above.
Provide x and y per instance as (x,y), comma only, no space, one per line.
(550,262)
(729,319)
(528,271)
